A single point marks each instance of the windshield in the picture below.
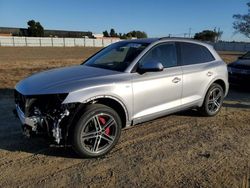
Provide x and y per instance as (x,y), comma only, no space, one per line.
(117,56)
(246,56)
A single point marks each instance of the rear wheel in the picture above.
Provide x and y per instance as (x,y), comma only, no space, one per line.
(213,100)
(97,131)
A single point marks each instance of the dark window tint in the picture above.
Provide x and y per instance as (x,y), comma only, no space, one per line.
(163,53)
(194,54)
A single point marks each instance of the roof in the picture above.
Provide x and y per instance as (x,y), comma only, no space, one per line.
(145,40)
(151,40)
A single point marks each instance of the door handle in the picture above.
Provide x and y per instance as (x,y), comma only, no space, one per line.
(209,73)
(176,80)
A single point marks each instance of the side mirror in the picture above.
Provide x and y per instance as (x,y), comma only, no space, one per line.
(150,66)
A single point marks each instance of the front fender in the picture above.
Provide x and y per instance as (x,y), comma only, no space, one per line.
(122,93)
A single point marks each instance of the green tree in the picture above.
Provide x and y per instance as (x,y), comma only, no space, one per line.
(105,33)
(35,29)
(134,34)
(137,34)
(242,22)
(207,35)
(129,35)
(40,30)
(113,33)
(124,36)
(141,34)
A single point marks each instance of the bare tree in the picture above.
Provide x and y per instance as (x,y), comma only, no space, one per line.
(242,23)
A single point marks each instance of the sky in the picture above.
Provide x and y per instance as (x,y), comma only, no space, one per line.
(157,18)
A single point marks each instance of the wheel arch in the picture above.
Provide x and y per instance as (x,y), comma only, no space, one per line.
(109,101)
(219,81)
(113,103)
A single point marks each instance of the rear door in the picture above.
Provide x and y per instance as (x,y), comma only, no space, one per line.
(197,70)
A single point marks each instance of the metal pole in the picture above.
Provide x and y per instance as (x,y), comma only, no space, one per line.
(26,44)
(52,41)
(13,41)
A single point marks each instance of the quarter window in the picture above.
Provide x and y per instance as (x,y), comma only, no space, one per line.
(163,53)
(194,54)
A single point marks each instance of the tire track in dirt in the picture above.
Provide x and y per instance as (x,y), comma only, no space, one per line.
(217,165)
(246,178)
(33,166)
(24,162)
(156,133)
(11,159)
(72,167)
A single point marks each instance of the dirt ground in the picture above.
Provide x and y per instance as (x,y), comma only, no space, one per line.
(179,150)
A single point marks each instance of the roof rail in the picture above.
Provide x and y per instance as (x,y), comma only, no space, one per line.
(186,38)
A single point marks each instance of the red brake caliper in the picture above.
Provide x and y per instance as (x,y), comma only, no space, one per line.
(103,122)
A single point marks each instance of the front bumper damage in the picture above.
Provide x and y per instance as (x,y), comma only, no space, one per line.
(32,122)
(43,115)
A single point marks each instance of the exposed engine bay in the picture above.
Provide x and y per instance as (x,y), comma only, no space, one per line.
(44,114)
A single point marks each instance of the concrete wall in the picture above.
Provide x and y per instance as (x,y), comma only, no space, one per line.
(72,42)
(54,42)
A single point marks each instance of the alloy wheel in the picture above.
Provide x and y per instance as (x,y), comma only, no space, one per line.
(99,133)
(215,100)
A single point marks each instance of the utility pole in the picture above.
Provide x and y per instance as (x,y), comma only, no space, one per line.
(218,35)
(190,29)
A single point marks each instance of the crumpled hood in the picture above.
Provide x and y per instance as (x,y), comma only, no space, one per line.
(62,80)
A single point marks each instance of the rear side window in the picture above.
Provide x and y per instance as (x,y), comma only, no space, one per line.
(194,54)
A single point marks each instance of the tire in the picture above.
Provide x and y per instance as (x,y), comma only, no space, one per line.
(97,131)
(209,103)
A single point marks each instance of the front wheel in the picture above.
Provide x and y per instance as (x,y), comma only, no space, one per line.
(97,131)
(213,100)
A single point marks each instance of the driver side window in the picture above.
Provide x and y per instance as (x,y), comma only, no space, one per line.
(162,53)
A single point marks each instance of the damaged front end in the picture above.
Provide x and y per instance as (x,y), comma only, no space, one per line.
(44,114)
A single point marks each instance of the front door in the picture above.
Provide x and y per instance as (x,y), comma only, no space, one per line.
(156,93)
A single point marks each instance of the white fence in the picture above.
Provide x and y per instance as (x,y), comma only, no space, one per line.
(72,42)
(54,42)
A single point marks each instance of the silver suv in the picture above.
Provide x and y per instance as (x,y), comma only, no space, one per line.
(124,84)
